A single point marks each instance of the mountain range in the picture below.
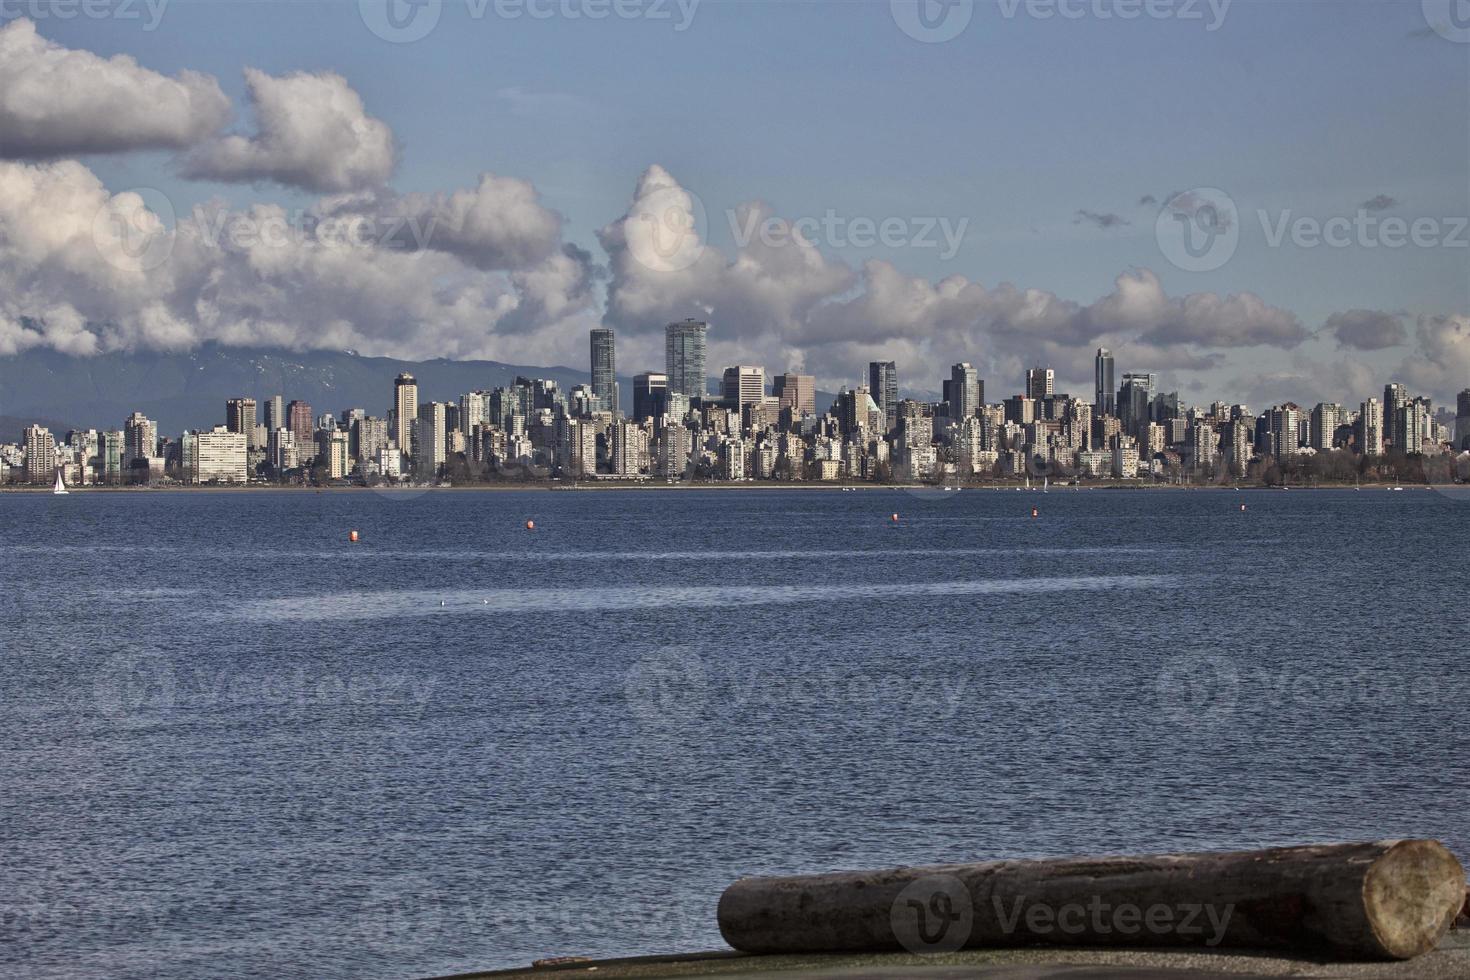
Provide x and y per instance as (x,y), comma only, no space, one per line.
(188,390)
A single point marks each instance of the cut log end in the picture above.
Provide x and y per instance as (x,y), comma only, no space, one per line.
(1411,895)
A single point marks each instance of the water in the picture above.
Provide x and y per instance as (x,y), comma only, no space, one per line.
(234,744)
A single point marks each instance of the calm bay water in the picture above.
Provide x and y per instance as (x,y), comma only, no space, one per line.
(234,744)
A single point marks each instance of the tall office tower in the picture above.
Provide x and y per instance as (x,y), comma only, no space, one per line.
(1462,420)
(1135,400)
(684,350)
(299,421)
(405,410)
(604,368)
(883,389)
(1371,418)
(141,437)
(650,395)
(275,413)
(965,391)
(1326,417)
(1105,399)
(798,392)
(240,416)
(744,385)
(1040,382)
(1395,397)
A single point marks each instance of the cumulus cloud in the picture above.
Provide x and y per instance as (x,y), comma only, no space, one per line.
(313,133)
(1104,221)
(791,306)
(83,270)
(1440,365)
(56,102)
(1366,329)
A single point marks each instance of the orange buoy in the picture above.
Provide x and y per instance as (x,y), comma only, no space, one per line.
(352,536)
(895,517)
(1035,512)
(530,525)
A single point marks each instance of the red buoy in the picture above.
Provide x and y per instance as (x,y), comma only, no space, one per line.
(895,518)
(352,536)
(530,525)
(1035,512)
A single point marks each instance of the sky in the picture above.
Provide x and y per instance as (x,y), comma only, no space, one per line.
(1258,201)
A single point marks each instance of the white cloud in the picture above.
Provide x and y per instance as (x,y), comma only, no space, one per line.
(313,133)
(59,102)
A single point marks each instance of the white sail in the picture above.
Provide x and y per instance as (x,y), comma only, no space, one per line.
(60,486)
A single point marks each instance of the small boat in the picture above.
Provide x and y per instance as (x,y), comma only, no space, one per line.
(60,486)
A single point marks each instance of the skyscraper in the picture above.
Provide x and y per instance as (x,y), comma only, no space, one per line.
(883,389)
(1462,420)
(275,413)
(299,421)
(1395,397)
(140,436)
(744,385)
(965,391)
(798,392)
(1104,400)
(684,351)
(240,416)
(1135,399)
(1372,420)
(604,368)
(1039,383)
(405,410)
(650,395)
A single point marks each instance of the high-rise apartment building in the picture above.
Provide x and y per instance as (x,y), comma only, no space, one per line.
(1371,418)
(275,413)
(685,344)
(1326,417)
(39,446)
(303,428)
(405,410)
(141,436)
(1462,420)
(1104,398)
(604,368)
(883,389)
(217,456)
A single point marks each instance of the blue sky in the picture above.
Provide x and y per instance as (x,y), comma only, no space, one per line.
(1016,125)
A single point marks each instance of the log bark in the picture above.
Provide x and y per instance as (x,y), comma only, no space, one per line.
(1389,899)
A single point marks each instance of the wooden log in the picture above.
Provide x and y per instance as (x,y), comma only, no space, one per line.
(1389,899)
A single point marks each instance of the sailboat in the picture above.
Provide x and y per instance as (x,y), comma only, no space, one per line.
(60,486)
(1045,484)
